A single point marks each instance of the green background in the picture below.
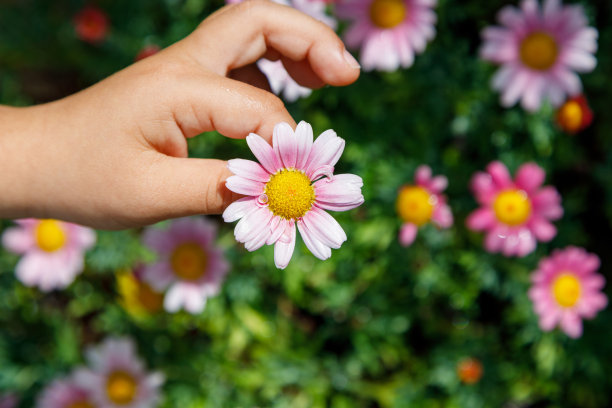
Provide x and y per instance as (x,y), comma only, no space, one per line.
(377,325)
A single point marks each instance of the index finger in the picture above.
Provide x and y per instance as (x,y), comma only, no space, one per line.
(240,34)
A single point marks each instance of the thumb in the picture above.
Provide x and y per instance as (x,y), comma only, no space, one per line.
(178,187)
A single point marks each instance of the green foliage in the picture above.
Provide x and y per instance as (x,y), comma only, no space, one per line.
(377,325)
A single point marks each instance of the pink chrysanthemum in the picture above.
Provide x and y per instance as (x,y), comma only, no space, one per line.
(280,81)
(117,378)
(516,213)
(389,32)
(540,50)
(188,263)
(292,186)
(53,251)
(566,289)
(418,204)
(65,393)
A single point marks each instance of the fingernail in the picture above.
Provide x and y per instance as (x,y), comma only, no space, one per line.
(350,60)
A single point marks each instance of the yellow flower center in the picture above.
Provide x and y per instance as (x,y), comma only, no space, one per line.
(289,194)
(50,236)
(539,51)
(566,289)
(121,387)
(415,204)
(387,13)
(570,116)
(80,404)
(512,207)
(189,261)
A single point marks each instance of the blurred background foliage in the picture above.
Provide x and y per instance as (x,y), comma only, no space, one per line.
(377,325)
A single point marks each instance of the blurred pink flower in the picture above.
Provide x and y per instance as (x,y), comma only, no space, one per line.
(540,50)
(91,24)
(418,204)
(280,81)
(566,289)
(388,32)
(65,393)
(52,250)
(292,186)
(188,263)
(117,378)
(516,213)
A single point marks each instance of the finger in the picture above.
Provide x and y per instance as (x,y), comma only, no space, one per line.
(302,73)
(177,187)
(233,108)
(264,25)
(251,75)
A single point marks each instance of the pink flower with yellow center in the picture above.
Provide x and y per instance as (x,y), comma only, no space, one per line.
(566,289)
(540,51)
(514,213)
(117,378)
(421,203)
(574,115)
(388,32)
(293,186)
(189,264)
(53,251)
(65,393)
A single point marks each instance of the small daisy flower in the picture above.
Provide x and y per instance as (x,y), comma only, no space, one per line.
(91,24)
(280,81)
(418,204)
(388,32)
(137,297)
(189,264)
(574,115)
(53,251)
(117,378)
(469,370)
(293,186)
(65,393)
(566,289)
(540,51)
(515,213)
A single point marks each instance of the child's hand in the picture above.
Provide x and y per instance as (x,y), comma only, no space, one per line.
(114,155)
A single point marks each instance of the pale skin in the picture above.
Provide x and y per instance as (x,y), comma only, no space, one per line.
(114,155)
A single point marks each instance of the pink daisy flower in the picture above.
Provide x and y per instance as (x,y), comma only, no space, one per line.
(189,264)
(53,251)
(280,81)
(117,378)
(515,213)
(293,186)
(388,32)
(566,289)
(418,204)
(65,393)
(540,50)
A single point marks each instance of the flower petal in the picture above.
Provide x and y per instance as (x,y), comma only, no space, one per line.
(283,249)
(530,177)
(325,228)
(481,219)
(285,144)
(326,150)
(18,240)
(304,137)
(242,185)
(264,153)
(239,209)
(407,234)
(248,169)
(315,246)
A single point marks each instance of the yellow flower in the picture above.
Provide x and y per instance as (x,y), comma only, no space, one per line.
(137,297)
